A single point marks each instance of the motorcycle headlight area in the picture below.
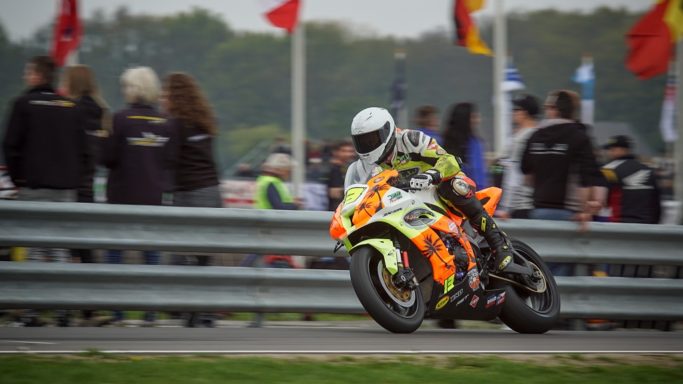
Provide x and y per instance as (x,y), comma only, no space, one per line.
(419,217)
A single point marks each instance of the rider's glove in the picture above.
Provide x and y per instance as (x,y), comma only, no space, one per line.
(424,180)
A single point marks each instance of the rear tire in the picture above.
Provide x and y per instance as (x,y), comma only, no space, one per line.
(525,311)
(398,311)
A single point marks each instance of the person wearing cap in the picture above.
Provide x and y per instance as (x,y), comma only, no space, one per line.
(271,192)
(517,199)
(633,193)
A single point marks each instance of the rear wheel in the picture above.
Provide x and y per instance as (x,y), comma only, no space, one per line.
(526,311)
(397,310)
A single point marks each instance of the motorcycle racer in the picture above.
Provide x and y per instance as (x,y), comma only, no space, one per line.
(421,162)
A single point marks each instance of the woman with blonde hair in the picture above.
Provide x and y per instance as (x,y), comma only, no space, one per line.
(78,83)
(139,153)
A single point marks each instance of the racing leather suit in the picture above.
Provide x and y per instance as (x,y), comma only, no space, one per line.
(416,153)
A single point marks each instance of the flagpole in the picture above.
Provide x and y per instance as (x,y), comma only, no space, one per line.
(298,109)
(499,54)
(678,148)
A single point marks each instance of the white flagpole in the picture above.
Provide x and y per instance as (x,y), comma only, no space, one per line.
(298,109)
(678,148)
(499,54)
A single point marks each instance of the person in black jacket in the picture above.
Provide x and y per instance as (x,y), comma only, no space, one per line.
(45,153)
(138,153)
(44,142)
(633,191)
(560,165)
(196,177)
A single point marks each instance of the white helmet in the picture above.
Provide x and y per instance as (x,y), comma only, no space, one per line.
(373,133)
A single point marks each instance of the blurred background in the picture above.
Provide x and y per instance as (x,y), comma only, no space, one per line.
(243,62)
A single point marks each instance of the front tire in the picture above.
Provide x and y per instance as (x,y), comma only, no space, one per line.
(525,311)
(398,311)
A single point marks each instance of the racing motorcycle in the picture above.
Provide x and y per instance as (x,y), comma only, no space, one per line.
(412,258)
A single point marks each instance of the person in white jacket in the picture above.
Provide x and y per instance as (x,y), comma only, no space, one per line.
(517,199)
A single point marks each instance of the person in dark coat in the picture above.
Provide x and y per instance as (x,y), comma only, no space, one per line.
(139,153)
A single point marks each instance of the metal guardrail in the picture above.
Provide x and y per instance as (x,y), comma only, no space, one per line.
(101,226)
(179,288)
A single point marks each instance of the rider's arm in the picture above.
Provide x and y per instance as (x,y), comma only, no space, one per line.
(426,149)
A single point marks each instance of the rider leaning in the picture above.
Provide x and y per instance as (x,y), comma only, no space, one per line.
(418,158)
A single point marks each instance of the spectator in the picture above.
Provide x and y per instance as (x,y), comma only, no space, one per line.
(342,155)
(517,196)
(196,178)
(78,83)
(271,193)
(45,152)
(427,122)
(561,165)
(138,153)
(633,192)
(461,140)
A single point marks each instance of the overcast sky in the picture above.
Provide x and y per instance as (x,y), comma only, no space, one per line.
(401,18)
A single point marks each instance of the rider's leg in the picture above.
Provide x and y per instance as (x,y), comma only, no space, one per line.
(459,192)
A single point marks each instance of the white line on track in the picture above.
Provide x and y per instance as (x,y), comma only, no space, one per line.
(344,352)
(27,342)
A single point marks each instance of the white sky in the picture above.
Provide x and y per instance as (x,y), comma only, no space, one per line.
(401,18)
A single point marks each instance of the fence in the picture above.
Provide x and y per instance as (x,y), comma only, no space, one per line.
(98,226)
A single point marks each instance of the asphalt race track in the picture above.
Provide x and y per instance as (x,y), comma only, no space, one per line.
(352,339)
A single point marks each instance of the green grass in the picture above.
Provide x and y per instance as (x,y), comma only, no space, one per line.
(95,367)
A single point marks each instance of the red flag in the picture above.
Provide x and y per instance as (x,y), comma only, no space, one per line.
(283,14)
(68,30)
(650,44)
(467,34)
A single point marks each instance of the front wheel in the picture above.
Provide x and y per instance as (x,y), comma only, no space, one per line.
(525,311)
(397,310)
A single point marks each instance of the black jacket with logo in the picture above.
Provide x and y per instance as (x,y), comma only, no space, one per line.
(559,156)
(139,156)
(195,167)
(633,192)
(44,143)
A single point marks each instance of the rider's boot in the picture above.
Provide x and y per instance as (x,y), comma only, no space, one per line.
(459,193)
(501,249)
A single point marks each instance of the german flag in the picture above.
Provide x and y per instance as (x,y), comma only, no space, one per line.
(467,34)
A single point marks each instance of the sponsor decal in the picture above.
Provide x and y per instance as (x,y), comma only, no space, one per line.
(452,227)
(448,284)
(442,302)
(462,300)
(352,194)
(491,301)
(457,294)
(53,103)
(501,299)
(473,277)
(391,212)
(474,301)
(402,159)
(148,139)
(395,196)
(378,179)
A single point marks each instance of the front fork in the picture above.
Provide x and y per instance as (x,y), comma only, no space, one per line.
(404,278)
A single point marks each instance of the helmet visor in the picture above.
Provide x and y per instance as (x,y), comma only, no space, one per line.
(368,142)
